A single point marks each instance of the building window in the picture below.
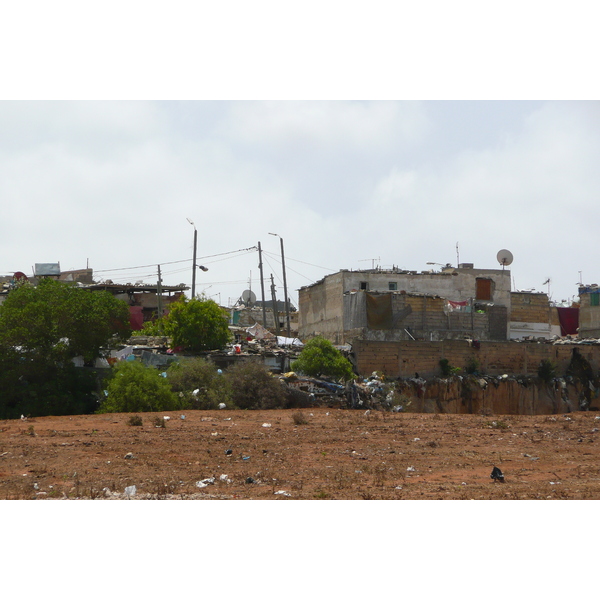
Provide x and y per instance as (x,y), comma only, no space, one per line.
(483,289)
(594,299)
(364,285)
(392,286)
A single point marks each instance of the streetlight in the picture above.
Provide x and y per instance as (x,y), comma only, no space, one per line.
(287,304)
(194,260)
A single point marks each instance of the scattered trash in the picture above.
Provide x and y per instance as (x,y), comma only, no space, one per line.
(205,482)
(410,469)
(245,458)
(222,405)
(398,487)
(228,452)
(367,413)
(497,475)
(225,478)
(266,424)
(36,486)
(463,483)
(214,433)
(182,417)
(282,493)
(250,480)
(417,440)
(196,392)
(554,482)
(130,490)
(129,455)
(167,418)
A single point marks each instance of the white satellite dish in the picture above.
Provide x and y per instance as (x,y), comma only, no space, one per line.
(504,257)
(248,297)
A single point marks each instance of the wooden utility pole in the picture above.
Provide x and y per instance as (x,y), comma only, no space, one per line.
(274,301)
(262,286)
(159,294)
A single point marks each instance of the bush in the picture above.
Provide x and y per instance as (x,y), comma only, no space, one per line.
(447,369)
(547,370)
(135,421)
(472,367)
(253,387)
(134,387)
(299,418)
(187,376)
(320,358)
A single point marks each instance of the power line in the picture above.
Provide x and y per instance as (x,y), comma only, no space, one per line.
(174,262)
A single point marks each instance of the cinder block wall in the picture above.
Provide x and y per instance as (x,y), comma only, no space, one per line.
(404,359)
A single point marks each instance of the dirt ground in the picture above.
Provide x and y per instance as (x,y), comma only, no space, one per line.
(335,454)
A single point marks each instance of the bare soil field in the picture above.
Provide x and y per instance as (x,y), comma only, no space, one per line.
(334,454)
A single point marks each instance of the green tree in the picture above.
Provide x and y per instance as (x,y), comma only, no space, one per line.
(320,358)
(41,330)
(133,387)
(59,321)
(198,324)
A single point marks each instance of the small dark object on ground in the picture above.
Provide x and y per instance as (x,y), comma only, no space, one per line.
(250,480)
(497,475)
(229,452)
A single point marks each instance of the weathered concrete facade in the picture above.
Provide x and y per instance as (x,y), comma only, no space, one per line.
(450,304)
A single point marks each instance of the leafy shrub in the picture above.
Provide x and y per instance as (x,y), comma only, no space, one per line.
(447,369)
(320,358)
(187,376)
(547,370)
(253,387)
(472,366)
(134,387)
(135,421)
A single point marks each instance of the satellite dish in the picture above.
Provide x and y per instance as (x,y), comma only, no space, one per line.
(248,297)
(504,257)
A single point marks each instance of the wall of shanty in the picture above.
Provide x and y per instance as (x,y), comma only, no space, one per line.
(405,359)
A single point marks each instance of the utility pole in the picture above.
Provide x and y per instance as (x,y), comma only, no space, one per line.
(159,294)
(287,302)
(194,259)
(274,301)
(262,286)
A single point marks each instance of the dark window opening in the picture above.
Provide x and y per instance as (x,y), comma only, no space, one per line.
(392,286)
(364,285)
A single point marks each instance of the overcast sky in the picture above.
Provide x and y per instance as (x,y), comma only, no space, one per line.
(91,173)
(346,184)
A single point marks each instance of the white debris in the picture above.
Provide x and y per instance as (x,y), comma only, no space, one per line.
(167,418)
(205,482)
(182,417)
(411,469)
(222,405)
(282,493)
(196,392)
(130,490)
(225,478)
(266,424)
(417,440)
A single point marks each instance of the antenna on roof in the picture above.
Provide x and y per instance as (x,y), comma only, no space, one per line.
(505,258)
(372,261)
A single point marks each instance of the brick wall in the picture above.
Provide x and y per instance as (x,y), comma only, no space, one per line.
(404,359)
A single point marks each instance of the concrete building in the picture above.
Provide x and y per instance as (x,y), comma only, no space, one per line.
(589,311)
(395,305)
